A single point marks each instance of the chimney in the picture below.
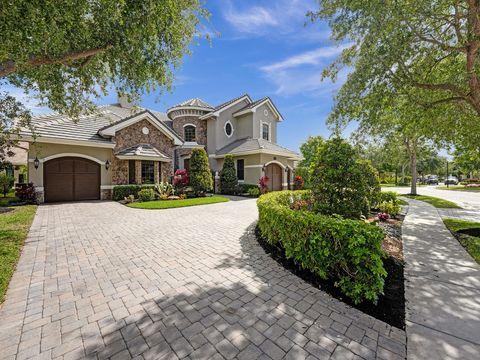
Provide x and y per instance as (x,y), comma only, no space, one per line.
(124,101)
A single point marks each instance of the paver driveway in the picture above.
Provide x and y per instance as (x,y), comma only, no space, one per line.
(100,280)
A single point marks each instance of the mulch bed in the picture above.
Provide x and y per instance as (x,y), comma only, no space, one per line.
(390,307)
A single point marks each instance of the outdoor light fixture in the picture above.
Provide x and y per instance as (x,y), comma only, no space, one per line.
(36,162)
(107,164)
(263,168)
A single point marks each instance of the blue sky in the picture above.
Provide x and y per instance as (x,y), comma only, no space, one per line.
(263,48)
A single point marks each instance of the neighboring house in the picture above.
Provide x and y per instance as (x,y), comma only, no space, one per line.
(16,164)
(125,144)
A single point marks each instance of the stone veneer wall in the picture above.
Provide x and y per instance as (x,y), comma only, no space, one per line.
(133,135)
(201,132)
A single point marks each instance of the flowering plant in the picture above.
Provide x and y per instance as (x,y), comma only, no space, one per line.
(298,182)
(263,183)
(383,216)
(181,178)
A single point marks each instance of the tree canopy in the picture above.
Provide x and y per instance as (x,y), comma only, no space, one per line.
(67,53)
(426,51)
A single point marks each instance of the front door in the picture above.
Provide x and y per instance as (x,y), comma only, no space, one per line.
(274,174)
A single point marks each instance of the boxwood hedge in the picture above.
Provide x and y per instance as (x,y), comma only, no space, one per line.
(348,251)
(120,192)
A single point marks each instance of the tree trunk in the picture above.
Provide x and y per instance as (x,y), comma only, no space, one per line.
(411,145)
(413,166)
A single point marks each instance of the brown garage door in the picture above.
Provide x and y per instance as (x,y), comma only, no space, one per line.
(71,179)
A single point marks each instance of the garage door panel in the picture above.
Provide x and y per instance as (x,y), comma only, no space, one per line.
(59,187)
(83,189)
(69,179)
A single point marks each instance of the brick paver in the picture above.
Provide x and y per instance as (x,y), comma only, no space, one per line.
(99,280)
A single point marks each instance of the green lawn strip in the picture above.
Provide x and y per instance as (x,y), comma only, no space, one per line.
(470,243)
(438,203)
(402,202)
(459,188)
(168,204)
(14,226)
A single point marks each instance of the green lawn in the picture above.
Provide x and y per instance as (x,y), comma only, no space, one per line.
(14,226)
(470,243)
(459,188)
(402,202)
(438,203)
(168,204)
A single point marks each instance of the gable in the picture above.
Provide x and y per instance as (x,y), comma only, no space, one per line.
(147,116)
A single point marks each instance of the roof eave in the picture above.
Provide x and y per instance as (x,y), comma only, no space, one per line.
(64,141)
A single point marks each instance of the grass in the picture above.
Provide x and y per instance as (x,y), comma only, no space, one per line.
(470,243)
(14,226)
(168,204)
(393,185)
(438,203)
(459,188)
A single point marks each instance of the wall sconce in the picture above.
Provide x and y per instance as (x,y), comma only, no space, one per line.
(107,164)
(263,168)
(36,163)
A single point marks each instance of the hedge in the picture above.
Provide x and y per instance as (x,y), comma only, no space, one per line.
(347,251)
(120,192)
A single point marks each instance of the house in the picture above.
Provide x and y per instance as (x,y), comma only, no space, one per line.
(15,164)
(124,144)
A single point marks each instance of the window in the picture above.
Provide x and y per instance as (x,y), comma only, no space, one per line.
(241,169)
(265,132)
(148,169)
(131,172)
(189,133)
(228,129)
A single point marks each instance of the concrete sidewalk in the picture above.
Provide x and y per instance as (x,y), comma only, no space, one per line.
(442,289)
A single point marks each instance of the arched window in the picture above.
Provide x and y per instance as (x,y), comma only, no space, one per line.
(189,133)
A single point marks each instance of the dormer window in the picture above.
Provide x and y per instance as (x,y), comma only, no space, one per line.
(266,131)
(189,133)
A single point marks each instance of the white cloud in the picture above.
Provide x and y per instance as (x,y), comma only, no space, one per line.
(301,73)
(250,20)
(272,18)
(312,57)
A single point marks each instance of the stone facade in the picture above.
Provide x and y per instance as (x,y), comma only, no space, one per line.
(105,194)
(200,133)
(133,135)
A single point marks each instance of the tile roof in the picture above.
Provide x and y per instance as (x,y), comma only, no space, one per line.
(87,127)
(195,102)
(142,150)
(249,144)
(226,103)
(255,103)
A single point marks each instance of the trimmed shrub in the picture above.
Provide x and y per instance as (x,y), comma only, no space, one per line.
(347,251)
(388,202)
(245,188)
(120,192)
(342,184)
(389,207)
(228,176)
(254,192)
(6,183)
(200,174)
(146,195)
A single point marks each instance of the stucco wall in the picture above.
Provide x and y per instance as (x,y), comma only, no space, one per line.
(259,118)
(245,126)
(44,150)
(226,115)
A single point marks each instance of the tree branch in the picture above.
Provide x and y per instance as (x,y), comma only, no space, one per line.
(9,67)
